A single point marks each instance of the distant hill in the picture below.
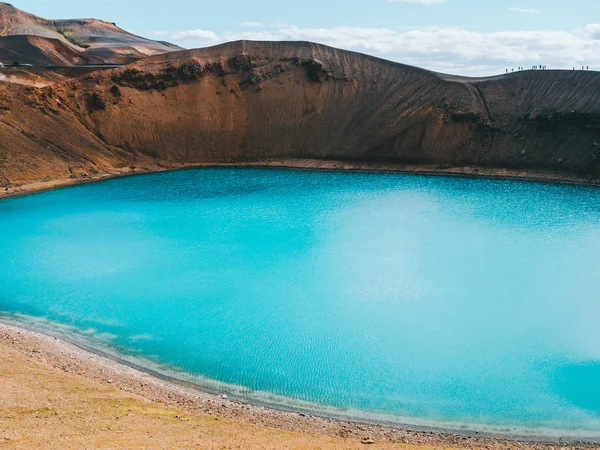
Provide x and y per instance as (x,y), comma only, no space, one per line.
(42,51)
(70,42)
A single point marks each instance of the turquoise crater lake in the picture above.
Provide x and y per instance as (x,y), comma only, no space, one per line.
(411,298)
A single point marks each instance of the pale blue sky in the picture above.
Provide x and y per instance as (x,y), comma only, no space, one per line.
(463,36)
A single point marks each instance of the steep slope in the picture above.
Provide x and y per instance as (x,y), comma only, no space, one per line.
(106,40)
(42,51)
(96,40)
(13,21)
(259,101)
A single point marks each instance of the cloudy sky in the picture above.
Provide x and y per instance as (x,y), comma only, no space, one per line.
(470,37)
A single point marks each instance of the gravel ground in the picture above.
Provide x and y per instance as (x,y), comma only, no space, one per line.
(50,390)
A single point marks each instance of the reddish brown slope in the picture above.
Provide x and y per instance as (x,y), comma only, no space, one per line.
(41,51)
(249,101)
(13,21)
(93,40)
(105,40)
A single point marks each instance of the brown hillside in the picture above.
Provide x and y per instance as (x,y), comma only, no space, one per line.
(257,101)
(13,21)
(42,51)
(105,40)
(97,41)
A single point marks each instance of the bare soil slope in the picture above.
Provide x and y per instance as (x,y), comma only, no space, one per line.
(85,41)
(42,51)
(13,21)
(258,101)
(105,40)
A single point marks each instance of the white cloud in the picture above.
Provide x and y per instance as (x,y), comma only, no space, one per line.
(253,24)
(454,50)
(421,2)
(190,35)
(591,31)
(525,10)
(262,35)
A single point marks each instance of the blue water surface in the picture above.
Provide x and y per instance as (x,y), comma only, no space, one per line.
(444,299)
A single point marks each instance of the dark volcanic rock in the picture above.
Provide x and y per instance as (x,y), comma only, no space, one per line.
(316,70)
(95,102)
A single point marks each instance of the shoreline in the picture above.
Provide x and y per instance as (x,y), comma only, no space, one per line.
(160,387)
(315,165)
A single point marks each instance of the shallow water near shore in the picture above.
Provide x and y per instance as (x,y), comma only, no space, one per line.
(442,299)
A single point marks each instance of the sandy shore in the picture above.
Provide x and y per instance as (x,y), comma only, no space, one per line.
(73,398)
(313,164)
